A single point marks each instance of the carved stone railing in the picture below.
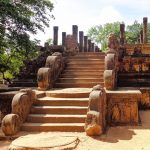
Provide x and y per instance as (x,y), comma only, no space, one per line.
(21,105)
(95,122)
(49,74)
(111,63)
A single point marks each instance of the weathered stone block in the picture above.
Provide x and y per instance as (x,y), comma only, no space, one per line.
(123,107)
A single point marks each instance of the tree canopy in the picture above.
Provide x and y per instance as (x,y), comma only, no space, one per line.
(18,20)
(99,33)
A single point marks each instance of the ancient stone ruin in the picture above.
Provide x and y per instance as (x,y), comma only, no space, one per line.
(79,88)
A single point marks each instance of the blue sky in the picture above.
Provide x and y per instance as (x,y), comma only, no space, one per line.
(87,13)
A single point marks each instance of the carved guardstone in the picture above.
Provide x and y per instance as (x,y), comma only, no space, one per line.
(21,105)
(95,122)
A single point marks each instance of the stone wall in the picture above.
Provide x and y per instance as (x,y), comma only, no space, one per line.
(122,107)
(135,64)
(5,103)
(144,48)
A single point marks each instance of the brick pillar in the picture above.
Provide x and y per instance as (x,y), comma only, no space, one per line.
(89,45)
(75,32)
(55,37)
(145,30)
(85,43)
(63,38)
(81,34)
(122,34)
(141,36)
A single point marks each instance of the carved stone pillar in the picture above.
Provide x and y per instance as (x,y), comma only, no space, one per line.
(122,34)
(141,36)
(75,32)
(92,47)
(89,45)
(81,34)
(85,43)
(145,30)
(55,38)
(63,38)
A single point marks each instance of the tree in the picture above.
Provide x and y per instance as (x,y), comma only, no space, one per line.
(19,19)
(99,34)
(133,32)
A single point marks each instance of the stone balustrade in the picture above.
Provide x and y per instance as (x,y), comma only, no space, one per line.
(21,105)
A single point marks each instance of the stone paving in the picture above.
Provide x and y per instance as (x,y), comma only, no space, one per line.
(116,138)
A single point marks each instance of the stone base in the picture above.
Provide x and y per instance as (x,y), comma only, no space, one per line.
(123,107)
(44,141)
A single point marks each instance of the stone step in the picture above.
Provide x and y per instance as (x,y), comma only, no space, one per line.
(79,80)
(55,118)
(85,66)
(52,101)
(83,72)
(87,57)
(84,63)
(90,53)
(81,85)
(59,110)
(45,127)
(71,60)
(71,75)
(69,93)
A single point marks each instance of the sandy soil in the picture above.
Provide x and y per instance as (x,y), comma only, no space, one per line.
(116,138)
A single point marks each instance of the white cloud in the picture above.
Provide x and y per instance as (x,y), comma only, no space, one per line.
(87,13)
(109,14)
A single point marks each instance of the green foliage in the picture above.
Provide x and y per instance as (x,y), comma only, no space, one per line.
(18,19)
(99,34)
(133,32)
(49,41)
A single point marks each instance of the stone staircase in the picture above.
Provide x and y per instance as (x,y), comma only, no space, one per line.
(82,70)
(65,107)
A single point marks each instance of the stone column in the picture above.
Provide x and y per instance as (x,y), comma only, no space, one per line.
(122,34)
(85,43)
(145,30)
(63,38)
(92,47)
(81,34)
(89,45)
(96,49)
(55,38)
(141,36)
(75,32)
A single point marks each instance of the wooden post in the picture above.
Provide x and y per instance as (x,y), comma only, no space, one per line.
(85,43)
(55,39)
(122,34)
(81,34)
(75,32)
(63,38)
(145,30)
(89,45)
(141,36)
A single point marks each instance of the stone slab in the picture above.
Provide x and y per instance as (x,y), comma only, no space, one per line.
(44,141)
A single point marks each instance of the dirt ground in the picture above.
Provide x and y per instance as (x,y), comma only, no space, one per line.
(116,138)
